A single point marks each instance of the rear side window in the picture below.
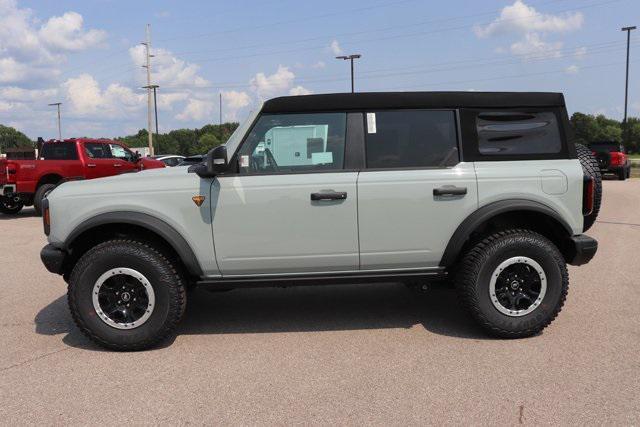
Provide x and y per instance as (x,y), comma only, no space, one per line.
(96,150)
(59,151)
(518,133)
(411,139)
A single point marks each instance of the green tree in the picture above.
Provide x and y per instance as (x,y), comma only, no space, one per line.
(206,142)
(11,138)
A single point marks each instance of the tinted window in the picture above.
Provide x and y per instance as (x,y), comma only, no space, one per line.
(59,151)
(411,138)
(96,150)
(517,133)
(294,142)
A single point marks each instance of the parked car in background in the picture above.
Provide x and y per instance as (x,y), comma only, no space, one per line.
(612,158)
(483,189)
(169,159)
(27,182)
(192,160)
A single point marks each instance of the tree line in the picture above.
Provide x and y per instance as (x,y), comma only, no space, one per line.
(587,128)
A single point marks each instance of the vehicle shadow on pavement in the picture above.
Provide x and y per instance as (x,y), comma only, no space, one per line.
(299,309)
(25,213)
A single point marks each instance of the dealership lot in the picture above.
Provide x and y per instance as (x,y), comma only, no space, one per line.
(376,354)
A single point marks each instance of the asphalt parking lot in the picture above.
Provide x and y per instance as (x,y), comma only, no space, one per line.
(358,354)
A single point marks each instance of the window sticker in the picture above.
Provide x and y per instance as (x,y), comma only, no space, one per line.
(321,158)
(244,161)
(371,123)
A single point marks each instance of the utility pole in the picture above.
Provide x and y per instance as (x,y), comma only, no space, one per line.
(147,45)
(58,104)
(220,107)
(155,103)
(626,87)
(350,58)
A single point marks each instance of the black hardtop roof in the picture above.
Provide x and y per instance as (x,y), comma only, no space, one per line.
(383,100)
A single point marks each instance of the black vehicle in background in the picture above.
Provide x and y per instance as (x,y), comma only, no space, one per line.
(612,158)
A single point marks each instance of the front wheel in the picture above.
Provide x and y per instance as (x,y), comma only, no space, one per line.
(10,205)
(126,295)
(514,283)
(622,174)
(41,193)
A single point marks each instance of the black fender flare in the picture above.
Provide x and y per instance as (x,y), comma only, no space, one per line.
(484,214)
(149,222)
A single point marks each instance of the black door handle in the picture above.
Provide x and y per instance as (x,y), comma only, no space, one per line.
(329,195)
(450,190)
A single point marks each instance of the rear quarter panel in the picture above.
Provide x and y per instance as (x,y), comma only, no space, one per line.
(554,183)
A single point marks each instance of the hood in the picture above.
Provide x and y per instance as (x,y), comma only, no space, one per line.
(161,179)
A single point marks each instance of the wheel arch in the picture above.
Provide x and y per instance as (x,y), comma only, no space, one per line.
(130,224)
(49,178)
(507,214)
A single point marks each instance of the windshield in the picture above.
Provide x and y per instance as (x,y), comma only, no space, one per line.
(238,134)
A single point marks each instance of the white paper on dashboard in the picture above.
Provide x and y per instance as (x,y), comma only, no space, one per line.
(371,122)
(321,158)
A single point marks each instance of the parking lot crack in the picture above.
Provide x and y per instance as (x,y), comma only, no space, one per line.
(32,360)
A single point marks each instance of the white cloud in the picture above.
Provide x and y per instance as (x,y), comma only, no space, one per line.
(319,64)
(30,50)
(274,84)
(14,93)
(580,53)
(197,110)
(299,90)
(572,69)
(520,18)
(335,48)
(533,46)
(85,98)
(233,102)
(166,69)
(65,33)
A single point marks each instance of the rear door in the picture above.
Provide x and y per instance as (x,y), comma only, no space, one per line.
(414,191)
(292,206)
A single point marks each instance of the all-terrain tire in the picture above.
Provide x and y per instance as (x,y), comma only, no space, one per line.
(10,207)
(591,168)
(482,261)
(40,195)
(164,277)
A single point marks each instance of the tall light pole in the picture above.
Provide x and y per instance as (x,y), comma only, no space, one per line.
(58,104)
(350,58)
(626,88)
(147,45)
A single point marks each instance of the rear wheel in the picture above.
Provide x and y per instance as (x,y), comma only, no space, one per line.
(591,168)
(514,283)
(10,205)
(126,295)
(41,194)
(622,174)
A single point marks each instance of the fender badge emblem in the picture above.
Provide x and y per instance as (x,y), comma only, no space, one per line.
(198,200)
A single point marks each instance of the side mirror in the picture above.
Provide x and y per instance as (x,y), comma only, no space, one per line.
(215,163)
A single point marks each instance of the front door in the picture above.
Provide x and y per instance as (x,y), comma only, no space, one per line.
(100,162)
(291,208)
(414,192)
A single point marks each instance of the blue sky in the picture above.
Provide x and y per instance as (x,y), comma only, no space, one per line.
(86,54)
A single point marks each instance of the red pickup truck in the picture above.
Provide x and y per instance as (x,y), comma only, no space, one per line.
(27,182)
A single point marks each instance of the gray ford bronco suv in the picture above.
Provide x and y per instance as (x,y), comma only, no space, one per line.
(486,190)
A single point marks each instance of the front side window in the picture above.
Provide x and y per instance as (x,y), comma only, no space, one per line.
(518,133)
(119,152)
(280,143)
(411,139)
(59,151)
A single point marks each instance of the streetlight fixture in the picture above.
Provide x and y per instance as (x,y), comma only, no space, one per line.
(350,58)
(58,104)
(626,87)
